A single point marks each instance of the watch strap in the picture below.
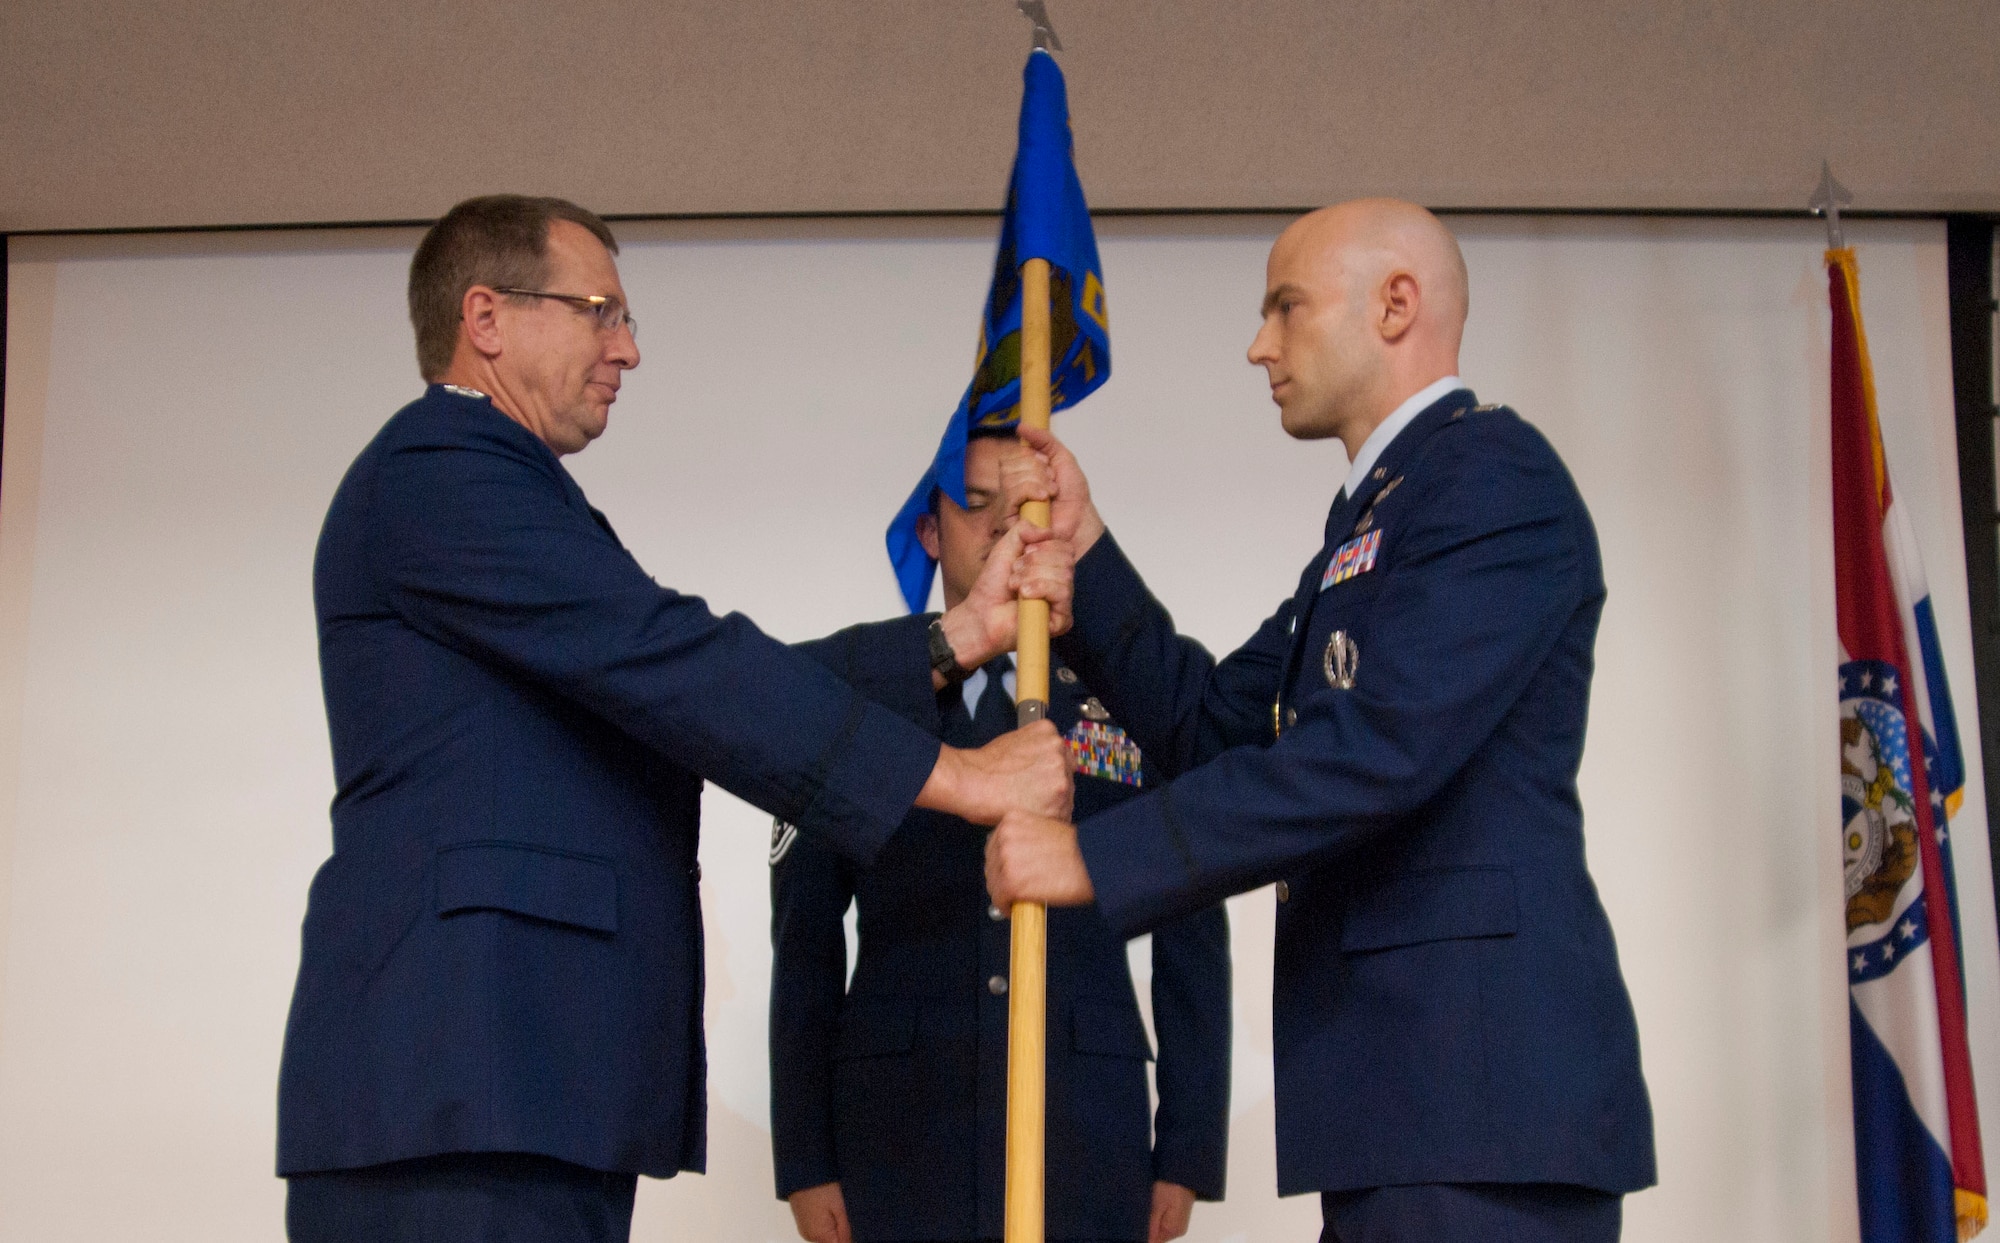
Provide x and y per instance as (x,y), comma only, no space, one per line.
(944,661)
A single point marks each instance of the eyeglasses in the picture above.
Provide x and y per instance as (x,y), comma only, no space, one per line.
(610,313)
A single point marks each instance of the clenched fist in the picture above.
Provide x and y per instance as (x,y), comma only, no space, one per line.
(1024,770)
(1032,858)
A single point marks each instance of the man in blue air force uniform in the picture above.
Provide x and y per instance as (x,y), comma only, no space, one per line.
(888,1099)
(1396,748)
(497,1021)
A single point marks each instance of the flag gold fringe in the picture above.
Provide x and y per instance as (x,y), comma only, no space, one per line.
(1850,277)
(1971,1212)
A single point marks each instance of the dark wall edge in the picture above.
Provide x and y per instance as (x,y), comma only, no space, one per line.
(5,270)
(1969,277)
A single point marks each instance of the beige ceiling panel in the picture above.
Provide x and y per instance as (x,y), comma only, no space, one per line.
(143,113)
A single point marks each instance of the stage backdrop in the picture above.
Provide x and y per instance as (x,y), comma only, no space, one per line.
(179,410)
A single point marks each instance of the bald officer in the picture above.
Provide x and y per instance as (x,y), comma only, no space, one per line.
(497,1023)
(1396,748)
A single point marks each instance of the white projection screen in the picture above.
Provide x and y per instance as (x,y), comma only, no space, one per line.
(179,410)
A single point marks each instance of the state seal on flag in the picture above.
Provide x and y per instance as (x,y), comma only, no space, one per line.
(1878,814)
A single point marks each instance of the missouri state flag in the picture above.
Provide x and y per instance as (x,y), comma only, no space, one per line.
(1919,1169)
(1046,218)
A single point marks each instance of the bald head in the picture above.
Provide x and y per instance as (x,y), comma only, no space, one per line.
(1368,240)
(1364,305)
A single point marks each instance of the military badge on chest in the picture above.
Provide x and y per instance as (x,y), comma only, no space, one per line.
(1356,556)
(1097,748)
(1341,660)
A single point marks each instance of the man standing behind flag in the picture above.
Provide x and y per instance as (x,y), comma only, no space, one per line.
(1919,1171)
(888,1094)
(1397,749)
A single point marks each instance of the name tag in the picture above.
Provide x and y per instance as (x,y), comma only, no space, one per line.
(1100,749)
(1356,556)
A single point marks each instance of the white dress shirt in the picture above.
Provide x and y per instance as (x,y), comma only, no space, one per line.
(1389,428)
(975,686)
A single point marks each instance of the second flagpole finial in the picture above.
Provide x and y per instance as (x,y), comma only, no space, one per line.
(1827,201)
(1037,12)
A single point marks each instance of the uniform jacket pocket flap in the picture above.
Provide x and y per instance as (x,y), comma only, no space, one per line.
(544,884)
(1438,905)
(876,1029)
(1107,1030)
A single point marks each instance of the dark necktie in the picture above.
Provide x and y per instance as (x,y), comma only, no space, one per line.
(995,714)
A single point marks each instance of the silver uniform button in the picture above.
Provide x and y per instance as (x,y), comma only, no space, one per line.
(1066,676)
(997,985)
(1291,717)
(994,912)
(1284,892)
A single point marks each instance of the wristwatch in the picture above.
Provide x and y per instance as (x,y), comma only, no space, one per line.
(944,661)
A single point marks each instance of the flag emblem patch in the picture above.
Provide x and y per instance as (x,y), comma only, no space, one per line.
(1356,556)
(1101,749)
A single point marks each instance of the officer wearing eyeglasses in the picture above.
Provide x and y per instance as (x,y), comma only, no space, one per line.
(497,1021)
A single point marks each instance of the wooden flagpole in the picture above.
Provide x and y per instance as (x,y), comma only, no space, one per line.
(1027,997)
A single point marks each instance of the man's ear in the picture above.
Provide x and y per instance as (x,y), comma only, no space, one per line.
(927,534)
(1400,299)
(479,320)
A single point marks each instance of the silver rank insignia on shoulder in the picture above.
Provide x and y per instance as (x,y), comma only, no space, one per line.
(1368,514)
(782,837)
(1341,660)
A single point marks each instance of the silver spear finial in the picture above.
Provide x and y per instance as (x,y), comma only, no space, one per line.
(1037,12)
(1827,201)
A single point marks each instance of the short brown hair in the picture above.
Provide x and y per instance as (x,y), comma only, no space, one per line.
(498,240)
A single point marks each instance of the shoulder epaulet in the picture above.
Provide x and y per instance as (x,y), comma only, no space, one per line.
(1489,408)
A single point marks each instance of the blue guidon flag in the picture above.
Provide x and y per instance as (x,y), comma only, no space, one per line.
(1046,218)
(1920,1173)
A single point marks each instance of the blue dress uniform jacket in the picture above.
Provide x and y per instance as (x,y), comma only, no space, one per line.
(504,951)
(897,1087)
(1447,1000)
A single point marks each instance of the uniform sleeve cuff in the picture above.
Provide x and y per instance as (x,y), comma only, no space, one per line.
(873,781)
(799,1173)
(1199,1172)
(1137,861)
(1107,587)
